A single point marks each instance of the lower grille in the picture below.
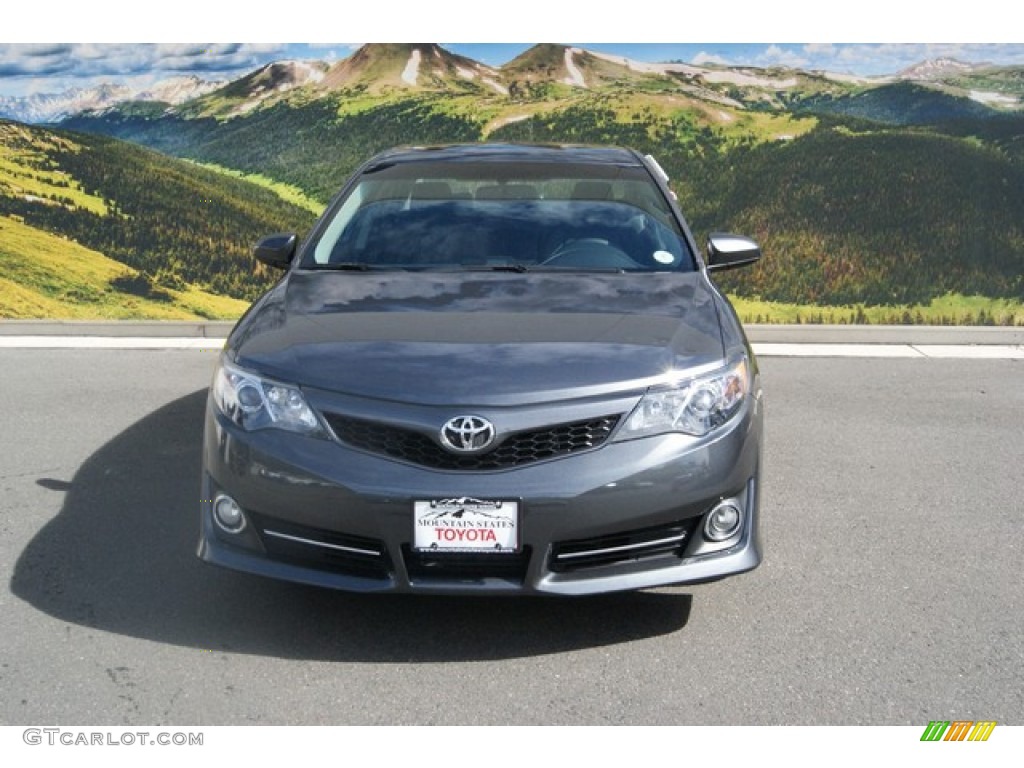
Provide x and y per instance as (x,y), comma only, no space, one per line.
(663,541)
(425,566)
(515,450)
(323,550)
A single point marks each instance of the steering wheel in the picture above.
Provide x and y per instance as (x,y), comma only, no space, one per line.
(589,253)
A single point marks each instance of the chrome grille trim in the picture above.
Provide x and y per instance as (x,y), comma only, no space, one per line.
(324,544)
(624,548)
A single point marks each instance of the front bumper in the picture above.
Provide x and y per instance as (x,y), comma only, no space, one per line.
(321,513)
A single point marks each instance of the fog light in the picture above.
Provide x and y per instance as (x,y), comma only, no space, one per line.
(228,514)
(722,522)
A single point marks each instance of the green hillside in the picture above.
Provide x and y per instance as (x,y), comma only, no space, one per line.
(1008,81)
(177,223)
(899,104)
(316,145)
(880,218)
(310,145)
(43,275)
(863,214)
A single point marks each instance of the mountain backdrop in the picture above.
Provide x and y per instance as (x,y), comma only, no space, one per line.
(897,192)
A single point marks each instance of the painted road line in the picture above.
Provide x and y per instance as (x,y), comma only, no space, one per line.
(912,335)
(108,342)
(945,351)
(980,352)
(762,349)
(835,350)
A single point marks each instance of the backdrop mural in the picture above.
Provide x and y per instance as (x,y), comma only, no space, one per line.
(884,183)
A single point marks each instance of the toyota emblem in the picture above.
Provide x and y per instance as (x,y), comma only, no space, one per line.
(467,434)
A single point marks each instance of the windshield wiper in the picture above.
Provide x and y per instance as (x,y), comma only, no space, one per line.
(518,268)
(504,268)
(356,266)
(585,270)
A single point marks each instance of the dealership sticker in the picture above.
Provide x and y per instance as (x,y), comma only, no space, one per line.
(958,730)
(465,525)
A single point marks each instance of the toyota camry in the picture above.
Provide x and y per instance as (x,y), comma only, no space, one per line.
(489,368)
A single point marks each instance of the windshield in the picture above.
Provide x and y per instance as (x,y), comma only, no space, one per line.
(515,216)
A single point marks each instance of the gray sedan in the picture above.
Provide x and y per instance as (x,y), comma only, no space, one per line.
(489,369)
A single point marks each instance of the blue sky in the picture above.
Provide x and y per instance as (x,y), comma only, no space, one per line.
(859,59)
(50,68)
(889,36)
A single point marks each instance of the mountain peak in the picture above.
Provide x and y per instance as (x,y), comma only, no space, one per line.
(176,90)
(45,107)
(547,62)
(573,67)
(425,66)
(281,76)
(261,86)
(936,69)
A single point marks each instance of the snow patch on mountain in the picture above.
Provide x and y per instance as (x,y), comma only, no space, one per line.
(280,76)
(53,107)
(993,99)
(306,72)
(650,68)
(846,77)
(503,121)
(486,74)
(736,77)
(176,90)
(245,106)
(412,67)
(729,76)
(495,85)
(50,107)
(575,76)
(636,66)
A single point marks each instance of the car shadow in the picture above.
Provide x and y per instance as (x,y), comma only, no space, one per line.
(120,557)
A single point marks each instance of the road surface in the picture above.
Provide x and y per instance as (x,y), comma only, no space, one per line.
(891,592)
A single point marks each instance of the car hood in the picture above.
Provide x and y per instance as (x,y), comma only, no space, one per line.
(479,339)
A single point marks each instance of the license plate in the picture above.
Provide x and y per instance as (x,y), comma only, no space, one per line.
(466,525)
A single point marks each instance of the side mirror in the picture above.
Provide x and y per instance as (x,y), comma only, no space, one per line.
(727,251)
(277,251)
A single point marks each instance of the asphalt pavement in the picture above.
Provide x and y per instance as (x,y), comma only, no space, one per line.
(891,592)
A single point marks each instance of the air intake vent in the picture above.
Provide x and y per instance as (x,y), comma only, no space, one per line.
(664,541)
(426,566)
(322,549)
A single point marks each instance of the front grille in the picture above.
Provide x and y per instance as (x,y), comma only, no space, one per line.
(451,566)
(515,450)
(322,549)
(630,546)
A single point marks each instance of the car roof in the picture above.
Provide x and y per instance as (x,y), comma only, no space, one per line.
(505,152)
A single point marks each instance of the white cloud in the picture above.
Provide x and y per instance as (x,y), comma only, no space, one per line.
(37,68)
(776,56)
(814,50)
(86,63)
(703,58)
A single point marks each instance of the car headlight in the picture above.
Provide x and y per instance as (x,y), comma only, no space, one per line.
(253,402)
(694,406)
